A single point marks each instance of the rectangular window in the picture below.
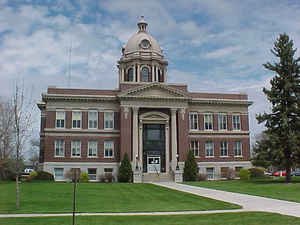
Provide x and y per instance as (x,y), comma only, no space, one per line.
(236,122)
(76,148)
(209,149)
(108,170)
(59,148)
(194,121)
(93,119)
(238,168)
(92,149)
(237,148)
(108,120)
(223,148)
(210,173)
(92,173)
(208,121)
(108,149)
(59,173)
(60,119)
(76,119)
(222,121)
(195,148)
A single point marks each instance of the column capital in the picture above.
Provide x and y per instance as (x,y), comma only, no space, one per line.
(173,110)
(135,109)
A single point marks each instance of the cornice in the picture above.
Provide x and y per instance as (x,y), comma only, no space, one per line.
(94,98)
(220,101)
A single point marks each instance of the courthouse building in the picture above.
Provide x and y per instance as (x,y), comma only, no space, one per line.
(153,121)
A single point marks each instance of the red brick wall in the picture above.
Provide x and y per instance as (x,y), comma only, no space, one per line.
(182,135)
(50,121)
(201,121)
(125,133)
(68,119)
(84,120)
(215,121)
(216,142)
(50,151)
(117,120)
(101,120)
(229,122)
(244,123)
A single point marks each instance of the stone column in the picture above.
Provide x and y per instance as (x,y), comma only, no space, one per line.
(152,73)
(135,131)
(134,76)
(167,147)
(122,75)
(174,138)
(138,73)
(156,75)
(141,145)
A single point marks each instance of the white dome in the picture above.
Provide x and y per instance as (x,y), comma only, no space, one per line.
(134,44)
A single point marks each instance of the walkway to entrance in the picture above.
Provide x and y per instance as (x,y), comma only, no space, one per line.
(248,202)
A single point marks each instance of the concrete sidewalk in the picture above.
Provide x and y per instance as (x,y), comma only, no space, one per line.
(248,202)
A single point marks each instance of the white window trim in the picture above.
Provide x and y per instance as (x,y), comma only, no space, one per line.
(241,146)
(72,149)
(113,150)
(63,169)
(213,150)
(113,120)
(222,114)
(77,128)
(92,174)
(224,156)
(191,147)
(239,122)
(58,156)
(56,119)
(93,128)
(89,148)
(197,116)
(212,116)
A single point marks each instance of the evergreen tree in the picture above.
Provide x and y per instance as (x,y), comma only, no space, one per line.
(283,123)
(125,170)
(190,171)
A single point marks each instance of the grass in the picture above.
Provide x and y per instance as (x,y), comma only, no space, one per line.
(247,218)
(46,197)
(271,188)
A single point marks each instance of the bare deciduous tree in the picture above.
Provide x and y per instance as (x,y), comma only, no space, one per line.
(22,124)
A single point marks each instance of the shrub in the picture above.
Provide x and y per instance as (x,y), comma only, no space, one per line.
(125,170)
(84,178)
(107,178)
(43,175)
(244,174)
(257,172)
(190,171)
(201,177)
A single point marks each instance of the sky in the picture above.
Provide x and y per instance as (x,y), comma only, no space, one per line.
(213,46)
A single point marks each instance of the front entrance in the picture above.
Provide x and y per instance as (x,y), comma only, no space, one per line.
(153,164)
(154,156)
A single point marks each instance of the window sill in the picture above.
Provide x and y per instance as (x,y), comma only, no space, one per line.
(108,157)
(75,156)
(224,156)
(238,156)
(57,156)
(209,156)
(92,157)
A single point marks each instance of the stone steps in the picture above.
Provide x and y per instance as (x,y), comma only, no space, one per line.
(154,177)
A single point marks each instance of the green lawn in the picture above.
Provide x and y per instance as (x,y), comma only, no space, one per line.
(53,197)
(251,218)
(272,188)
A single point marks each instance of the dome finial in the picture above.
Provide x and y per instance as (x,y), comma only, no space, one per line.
(142,24)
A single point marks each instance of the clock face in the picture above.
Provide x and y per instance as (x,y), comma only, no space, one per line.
(145,43)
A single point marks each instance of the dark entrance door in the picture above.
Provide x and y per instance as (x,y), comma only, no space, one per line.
(154,147)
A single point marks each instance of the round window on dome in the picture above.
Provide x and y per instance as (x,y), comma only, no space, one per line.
(145,43)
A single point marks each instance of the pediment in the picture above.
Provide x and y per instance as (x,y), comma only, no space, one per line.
(155,90)
(154,116)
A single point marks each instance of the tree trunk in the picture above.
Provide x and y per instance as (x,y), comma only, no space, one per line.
(288,174)
(17,192)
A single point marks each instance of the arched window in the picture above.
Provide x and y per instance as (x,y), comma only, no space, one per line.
(145,74)
(130,74)
(160,76)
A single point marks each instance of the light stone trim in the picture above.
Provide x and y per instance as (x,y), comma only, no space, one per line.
(81,135)
(135,131)
(219,136)
(221,101)
(70,130)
